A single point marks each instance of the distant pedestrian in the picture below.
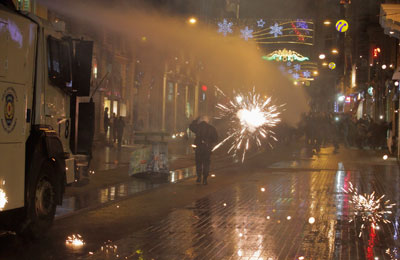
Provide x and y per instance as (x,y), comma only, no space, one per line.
(106,121)
(114,126)
(206,138)
(120,130)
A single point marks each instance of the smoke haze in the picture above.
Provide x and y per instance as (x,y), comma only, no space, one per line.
(228,62)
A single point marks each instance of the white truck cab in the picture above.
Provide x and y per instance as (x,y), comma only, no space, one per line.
(42,72)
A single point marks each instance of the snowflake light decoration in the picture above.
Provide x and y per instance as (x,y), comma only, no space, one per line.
(290,71)
(301,24)
(307,74)
(261,23)
(289,64)
(225,27)
(297,67)
(246,33)
(276,30)
(296,76)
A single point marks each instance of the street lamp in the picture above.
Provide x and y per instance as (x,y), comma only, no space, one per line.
(315,72)
(327,22)
(335,51)
(325,64)
(321,56)
(384,66)
(192,20)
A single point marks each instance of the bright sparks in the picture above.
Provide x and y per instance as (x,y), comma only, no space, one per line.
(368,208)
(75,241)
(251,119)
(3,199)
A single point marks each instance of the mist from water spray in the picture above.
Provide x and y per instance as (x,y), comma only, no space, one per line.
(228,62)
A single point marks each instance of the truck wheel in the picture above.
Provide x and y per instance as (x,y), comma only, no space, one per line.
(41,202)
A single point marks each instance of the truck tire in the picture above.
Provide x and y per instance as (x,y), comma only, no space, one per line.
(41,202)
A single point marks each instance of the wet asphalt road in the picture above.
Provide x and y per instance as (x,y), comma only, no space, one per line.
(256,211)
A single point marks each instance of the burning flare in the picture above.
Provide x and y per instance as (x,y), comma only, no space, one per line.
(3,199)
(368,208)
(251,118)
(75,241)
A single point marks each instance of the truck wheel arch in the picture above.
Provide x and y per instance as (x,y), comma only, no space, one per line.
(44,144)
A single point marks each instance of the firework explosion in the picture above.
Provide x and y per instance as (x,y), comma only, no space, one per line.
(251,118)
(75,241)
(368,208)
(393,253)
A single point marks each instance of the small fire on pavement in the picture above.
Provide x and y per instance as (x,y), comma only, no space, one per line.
(75,241)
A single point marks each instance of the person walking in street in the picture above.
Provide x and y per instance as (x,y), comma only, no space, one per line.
(206,138)
(106,121)
(120,130)
(114,127)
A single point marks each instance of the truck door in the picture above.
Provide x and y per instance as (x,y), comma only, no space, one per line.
(56,106)
(17,49)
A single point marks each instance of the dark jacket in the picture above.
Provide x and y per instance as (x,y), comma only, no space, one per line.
(206,134)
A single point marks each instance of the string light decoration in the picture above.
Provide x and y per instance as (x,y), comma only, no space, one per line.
(261,23)
(270,31)
(285,55)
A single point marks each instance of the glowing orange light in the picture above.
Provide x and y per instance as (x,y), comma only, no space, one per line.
(376,51)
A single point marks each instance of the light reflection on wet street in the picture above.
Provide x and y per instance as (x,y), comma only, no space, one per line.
(119,191)
(245,222)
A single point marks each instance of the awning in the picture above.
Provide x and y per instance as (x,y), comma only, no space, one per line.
(389,19)
(396,74)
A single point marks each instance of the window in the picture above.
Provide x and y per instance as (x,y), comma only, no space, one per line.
(59,62)
(24,5)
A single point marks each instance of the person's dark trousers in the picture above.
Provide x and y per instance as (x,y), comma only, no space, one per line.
(203,159)
(119,139)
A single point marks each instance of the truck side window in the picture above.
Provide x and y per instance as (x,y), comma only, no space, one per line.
(59,62)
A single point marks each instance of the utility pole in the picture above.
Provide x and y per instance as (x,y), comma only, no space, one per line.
(238,9)
(175,105)
(164,96)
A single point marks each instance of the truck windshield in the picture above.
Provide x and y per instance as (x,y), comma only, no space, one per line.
(59,62)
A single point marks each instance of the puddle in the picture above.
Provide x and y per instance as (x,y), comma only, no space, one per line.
(118,191)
